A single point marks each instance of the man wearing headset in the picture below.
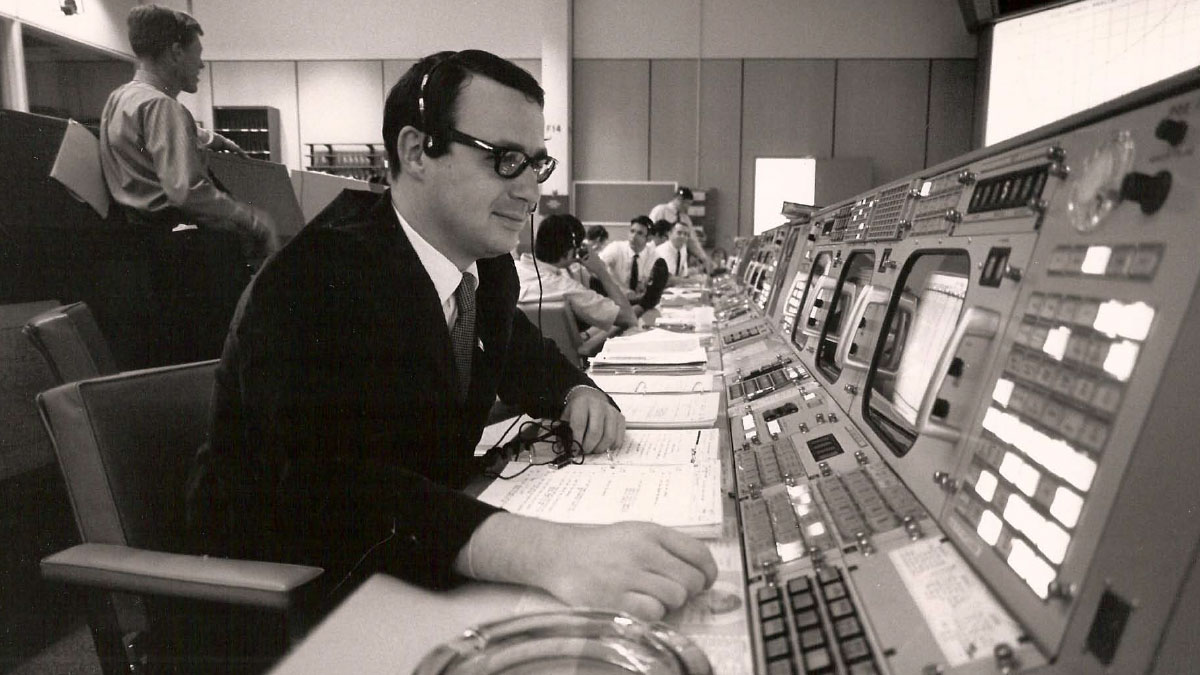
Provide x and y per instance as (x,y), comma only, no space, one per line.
(354,386)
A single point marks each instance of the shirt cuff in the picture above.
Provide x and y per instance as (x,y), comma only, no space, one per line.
(574,390)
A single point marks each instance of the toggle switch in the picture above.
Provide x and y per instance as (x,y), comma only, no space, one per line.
(1148,191)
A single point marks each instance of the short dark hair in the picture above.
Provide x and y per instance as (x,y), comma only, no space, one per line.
(684,193)
(642,220)
(448,72)
(662,227)
(597,233)
(557,234)
(153,29)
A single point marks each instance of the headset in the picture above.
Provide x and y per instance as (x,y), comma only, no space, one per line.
(435,145)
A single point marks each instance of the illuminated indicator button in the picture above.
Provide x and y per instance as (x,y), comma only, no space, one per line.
(1011,466)
(1002,391)
(1035,571)
(1056,342)
(773,428)
(1121,358)
(1018,514)
(1052,541)
(1066,506)
(1128,321)
(1027,480)
(926,188)
(989,528)
(747,422)
(815,529)
(1095,261)
(986,485)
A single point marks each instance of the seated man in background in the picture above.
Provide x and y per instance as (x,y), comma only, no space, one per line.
(634,264)
(597,239)
(363,360)
(558,246)
(674,252)
(676,211)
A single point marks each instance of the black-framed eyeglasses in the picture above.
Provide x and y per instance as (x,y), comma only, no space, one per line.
(510,162)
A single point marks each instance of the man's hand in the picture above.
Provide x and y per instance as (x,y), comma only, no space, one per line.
(596,424)
(641,568)
(222,144)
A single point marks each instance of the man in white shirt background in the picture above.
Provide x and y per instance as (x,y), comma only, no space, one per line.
(674,252)
(557,246)
(676,211)
(633,263)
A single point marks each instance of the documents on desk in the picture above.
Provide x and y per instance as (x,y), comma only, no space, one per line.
(669,411)
(652,347)
(654,384)
(672,478)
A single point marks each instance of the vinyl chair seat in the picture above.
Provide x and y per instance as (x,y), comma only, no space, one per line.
(557,322)
(124,443)
(70,341)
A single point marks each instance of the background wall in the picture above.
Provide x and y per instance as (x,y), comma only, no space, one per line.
(691,91)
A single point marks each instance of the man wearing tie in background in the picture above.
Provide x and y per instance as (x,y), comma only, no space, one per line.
(634,263)
(366,354)
(676,211)
(674,252)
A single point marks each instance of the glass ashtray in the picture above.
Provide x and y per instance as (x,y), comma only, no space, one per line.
(581,642)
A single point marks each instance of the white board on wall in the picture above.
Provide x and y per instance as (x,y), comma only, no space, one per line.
(778,180)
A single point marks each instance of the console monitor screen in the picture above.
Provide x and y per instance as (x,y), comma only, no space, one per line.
(919,329)
(859,268)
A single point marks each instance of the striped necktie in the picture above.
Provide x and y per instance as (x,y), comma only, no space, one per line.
(462,335)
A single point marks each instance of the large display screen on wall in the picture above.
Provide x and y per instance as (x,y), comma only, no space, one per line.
(1056,62)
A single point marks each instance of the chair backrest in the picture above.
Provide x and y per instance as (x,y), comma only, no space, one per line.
(124,443)
(557,323)
(71,342)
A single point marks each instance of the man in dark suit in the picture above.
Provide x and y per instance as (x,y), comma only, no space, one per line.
(362,362)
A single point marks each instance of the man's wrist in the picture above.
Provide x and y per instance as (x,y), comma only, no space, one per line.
(575,391)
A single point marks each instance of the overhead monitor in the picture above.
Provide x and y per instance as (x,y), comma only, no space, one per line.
(1053,63)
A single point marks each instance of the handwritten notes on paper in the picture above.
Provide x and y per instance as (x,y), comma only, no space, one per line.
(965,619)
(654,384)
(669,477)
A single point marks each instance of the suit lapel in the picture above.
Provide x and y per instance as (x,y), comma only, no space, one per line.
(417,298)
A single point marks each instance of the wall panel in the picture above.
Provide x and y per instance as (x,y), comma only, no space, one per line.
(271,83)
(951,109)
(340,101)
(611,119)
(720,147)
(881,114)
(787,111)
(673,139)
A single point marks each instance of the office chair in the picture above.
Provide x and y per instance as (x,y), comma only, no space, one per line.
(70,341)
(124,444)
(558,324)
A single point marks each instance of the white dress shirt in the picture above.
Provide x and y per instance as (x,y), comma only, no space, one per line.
(445,275)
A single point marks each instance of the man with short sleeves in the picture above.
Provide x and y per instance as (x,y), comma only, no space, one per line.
(633,263)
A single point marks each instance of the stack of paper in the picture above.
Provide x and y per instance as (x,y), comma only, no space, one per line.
(654,384)
(652,347)
(672,478)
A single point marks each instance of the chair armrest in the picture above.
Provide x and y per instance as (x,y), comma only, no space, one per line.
(121,568)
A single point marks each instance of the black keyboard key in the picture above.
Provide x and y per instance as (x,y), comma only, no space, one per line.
(802,601)
(818,661)
(855,650)
(807,619)
(767,593)
(841,608)
(835,591)
(773,628)
(811,639)
(781,667)
(847,628)
(798,585)
(777,648)
(770,610)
